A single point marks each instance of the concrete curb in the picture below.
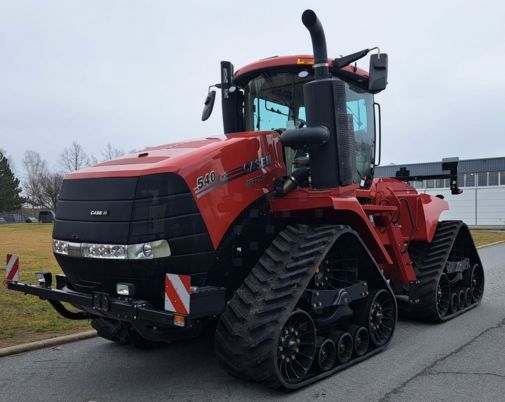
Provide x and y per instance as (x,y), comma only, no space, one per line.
(45,343)
(491,244)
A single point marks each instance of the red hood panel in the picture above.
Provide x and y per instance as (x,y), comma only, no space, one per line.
(162,158)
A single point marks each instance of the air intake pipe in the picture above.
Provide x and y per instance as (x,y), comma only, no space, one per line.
(332,155)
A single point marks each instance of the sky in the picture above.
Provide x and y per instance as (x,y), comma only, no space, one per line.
(136,73)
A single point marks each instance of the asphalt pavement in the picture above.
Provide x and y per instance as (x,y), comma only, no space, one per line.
(463,360)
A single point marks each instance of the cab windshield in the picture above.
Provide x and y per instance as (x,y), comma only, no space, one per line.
(274,101)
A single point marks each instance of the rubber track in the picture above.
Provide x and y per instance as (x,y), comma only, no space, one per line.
(248,330)
(429,261)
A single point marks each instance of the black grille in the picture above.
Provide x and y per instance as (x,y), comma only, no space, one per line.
(128,211)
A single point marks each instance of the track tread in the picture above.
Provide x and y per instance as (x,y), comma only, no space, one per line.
(429,260)
(247,332)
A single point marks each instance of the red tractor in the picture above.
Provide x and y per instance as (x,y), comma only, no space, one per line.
(276,235)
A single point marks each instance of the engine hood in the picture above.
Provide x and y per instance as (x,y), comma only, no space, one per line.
(163,158)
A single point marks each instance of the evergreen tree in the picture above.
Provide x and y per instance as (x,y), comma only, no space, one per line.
(10,191)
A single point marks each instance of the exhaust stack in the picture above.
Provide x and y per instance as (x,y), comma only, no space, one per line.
(329,135)
(312,23)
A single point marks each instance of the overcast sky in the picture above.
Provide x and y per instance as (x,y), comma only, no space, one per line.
(135,73)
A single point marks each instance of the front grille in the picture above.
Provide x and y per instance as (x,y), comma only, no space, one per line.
(128,211)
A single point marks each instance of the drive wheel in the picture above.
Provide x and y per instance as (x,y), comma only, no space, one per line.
(296,347)
(443,295)
(477,283)
(380,317)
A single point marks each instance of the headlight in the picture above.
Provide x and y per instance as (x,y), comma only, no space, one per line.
(107,251)
(66,248)
(60,246)
(141,251)
(150,250)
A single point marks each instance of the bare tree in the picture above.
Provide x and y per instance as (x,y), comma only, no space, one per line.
(41,186)
(110,152)
(50,186)
(74,158)
(93,160)
(35,168)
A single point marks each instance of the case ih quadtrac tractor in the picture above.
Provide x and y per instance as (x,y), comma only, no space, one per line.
(275,235)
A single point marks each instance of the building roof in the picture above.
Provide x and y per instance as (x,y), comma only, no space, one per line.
(496,164)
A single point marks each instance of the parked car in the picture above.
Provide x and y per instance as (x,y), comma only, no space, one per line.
(31,219)
(14,218)
(46,216)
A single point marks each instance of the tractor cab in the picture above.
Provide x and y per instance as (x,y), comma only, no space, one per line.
(268,95)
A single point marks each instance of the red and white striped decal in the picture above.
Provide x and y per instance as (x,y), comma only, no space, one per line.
(12,268)
(177,293)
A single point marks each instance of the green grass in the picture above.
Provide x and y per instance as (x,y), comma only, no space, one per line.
(26,318)
(483,237)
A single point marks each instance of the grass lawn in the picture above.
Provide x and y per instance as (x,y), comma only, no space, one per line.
(483,237)
(26,318)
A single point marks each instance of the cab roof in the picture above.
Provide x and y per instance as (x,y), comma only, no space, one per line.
(297,62)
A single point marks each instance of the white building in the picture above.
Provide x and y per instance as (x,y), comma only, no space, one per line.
(482,181)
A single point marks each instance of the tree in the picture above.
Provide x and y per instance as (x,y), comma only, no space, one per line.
(50,190)
(10,191)
(41,186)
(74,158)
(110,152)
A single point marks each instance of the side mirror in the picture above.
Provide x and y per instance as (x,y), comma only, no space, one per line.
(208,105)
(378,73)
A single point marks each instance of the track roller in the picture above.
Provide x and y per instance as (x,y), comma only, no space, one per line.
(326,354)
(461,299)
(361,339)
(454,302)
(468,297)
(344,343)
